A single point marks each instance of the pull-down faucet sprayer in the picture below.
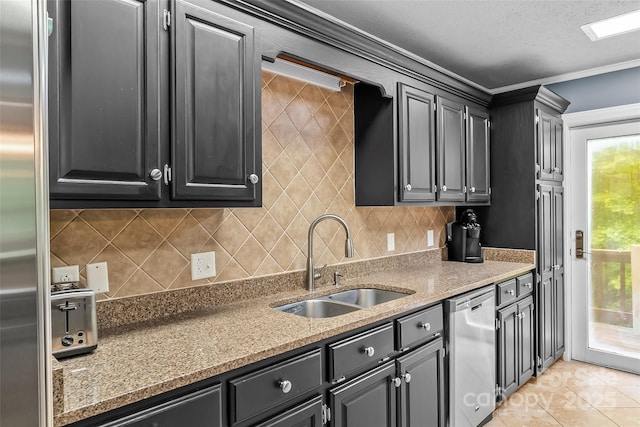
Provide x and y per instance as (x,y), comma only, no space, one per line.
(348,247)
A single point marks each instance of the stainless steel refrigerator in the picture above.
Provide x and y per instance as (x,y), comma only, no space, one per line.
(25,383)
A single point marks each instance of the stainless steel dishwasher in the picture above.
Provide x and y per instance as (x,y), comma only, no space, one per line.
(471,350)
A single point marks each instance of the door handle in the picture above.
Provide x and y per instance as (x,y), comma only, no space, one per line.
(580,252)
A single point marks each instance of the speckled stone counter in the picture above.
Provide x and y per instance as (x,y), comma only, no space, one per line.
(135,361)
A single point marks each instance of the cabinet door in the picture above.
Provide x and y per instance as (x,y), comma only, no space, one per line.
(104,100)
(558,314)
(558,147)
(368,400)
(216,96)
(422,392)
(545,324)
(545,142)
(478,183)
(526,340)
(417,145)
(451,150)
(507,344)
(199,409)
(308,414)
(545,231)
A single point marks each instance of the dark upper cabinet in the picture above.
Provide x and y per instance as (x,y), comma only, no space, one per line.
(442,150)
(104,100)
(421,400)
(417,144)
(478,151)
(450,135)
(215,85)
(152,107)
(549,146)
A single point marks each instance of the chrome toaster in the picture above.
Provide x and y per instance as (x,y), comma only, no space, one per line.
(73,320)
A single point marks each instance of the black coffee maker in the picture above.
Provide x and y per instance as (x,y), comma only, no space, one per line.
(463,238)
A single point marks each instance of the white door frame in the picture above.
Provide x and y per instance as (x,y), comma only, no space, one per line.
(572,122)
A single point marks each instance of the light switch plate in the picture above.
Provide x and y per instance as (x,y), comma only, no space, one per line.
(391,242)
(98,277)
(203,265)
(430,238)
(67,274)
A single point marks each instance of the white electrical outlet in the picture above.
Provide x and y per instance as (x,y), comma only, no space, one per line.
(391,242)
(430,238)
(67,274)
(98,277)
(203,265)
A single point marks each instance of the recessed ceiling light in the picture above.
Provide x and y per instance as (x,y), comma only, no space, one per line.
(615,26)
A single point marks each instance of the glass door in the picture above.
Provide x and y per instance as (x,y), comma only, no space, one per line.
(605,206)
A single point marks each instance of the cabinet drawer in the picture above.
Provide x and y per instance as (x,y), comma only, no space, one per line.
(200,409)
(274,385)
(351,354)
(419,327)
(525,284)
(505,292)
(308,413)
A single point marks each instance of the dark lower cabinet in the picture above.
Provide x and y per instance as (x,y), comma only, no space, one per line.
(200,409)
(307,414)
(368,400)
(515,346)
(421,399)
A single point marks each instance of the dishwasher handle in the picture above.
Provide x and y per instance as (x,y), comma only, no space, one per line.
(471,301)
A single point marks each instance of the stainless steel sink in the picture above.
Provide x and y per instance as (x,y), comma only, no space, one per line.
(366,297)
(317,308)
(340,303)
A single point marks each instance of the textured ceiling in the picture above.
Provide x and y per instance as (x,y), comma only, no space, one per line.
(494,43)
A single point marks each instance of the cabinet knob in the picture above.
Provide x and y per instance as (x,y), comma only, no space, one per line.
(443,188)
(426,326)
(253,178)
(396,382)
(528,285)
(473,189)
(523,315)
(406,377)
(407,187)
(510,292)
(155,174)
(369,351)
(285,386)
(556,169)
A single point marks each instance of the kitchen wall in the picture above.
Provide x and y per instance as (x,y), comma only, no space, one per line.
(308,170)
(601,91)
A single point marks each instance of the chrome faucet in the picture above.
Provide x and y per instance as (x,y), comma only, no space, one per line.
(348,247)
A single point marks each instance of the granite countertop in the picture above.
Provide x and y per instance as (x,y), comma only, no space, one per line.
(137,361)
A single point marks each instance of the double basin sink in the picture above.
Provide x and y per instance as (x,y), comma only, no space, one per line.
(340,302)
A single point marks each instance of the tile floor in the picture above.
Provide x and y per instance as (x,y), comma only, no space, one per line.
(573,394)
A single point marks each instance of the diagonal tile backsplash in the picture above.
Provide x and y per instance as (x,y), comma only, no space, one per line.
(308,170)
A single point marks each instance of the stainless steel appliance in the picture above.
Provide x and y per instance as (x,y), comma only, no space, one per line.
(73,320)
(471,350)
(463,238)
(25,351)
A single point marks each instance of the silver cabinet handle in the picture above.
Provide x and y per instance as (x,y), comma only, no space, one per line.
(556,169)
(435,188)
(369,351)
(443,188)
(473,189)
(426,326)
(408,187)
(396,382)
(406,377)
(285,386)
(155,174)
(528,285)
(510,292)
(523,315)
(253,178)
